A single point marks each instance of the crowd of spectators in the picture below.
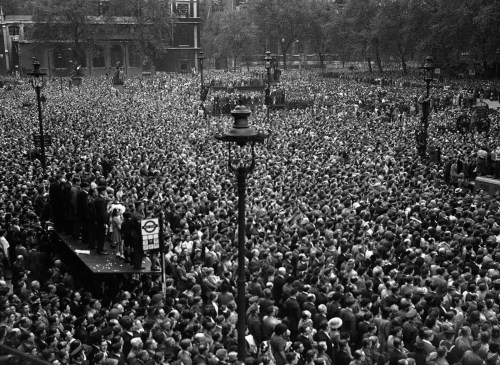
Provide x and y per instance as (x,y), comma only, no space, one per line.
(358,251)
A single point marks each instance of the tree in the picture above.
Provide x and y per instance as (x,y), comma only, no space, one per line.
(485,16)
(14,7)
(230,34)
(447,29)
(398,26)
(321,21)
(280,21)
(61,21)
(154,23)
(356,30)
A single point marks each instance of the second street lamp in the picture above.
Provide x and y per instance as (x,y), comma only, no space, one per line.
(201,58)
(59,69)
(428,69)
(267,100)
(241,136)
(497,54)
(37,82)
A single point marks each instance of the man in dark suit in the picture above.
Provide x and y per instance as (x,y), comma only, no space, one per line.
(278,283)
(101,219)
(74,221)
(56,201)
(322,335)
(211,309)
(349,319)
(82,224)
(136,235)
(66,200)
(398,353)
(291,310)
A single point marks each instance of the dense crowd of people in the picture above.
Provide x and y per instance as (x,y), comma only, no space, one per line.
(359,252)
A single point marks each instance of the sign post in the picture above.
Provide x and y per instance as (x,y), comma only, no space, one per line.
(150,229)
(162,252)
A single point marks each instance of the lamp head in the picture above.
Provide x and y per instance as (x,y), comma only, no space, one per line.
(36,73)
(241,132)
(428,68)
(241,140)
(201,57)
(268,60)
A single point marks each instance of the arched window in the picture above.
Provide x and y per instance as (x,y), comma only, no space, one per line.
(98,57)
(116,55)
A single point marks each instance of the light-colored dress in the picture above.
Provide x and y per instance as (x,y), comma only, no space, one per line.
(116,236)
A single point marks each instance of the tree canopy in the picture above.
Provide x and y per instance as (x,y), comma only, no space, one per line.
(382,30)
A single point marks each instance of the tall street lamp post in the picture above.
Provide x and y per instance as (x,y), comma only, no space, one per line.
(269,61)
(59,57)
(497,54)
(241,140)
(201,58)
(428,69)
(37,82)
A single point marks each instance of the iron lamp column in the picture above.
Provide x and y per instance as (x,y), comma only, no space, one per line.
(37,82)
(497,54)
(59,57)
(201,58)
(267,100)
(241,135)
(428,69)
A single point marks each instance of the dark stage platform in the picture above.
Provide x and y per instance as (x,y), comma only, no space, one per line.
(74,252)
(487,184)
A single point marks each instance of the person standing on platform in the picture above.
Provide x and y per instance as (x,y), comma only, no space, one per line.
(82,223)
(482,155)
(74,220)
(56,201)
(66,197)
(92,221)
(101,219)
(496,162)
(136,235)
(116,236)
(126,228)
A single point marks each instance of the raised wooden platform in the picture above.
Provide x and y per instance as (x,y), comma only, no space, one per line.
(488,184)
(74,252)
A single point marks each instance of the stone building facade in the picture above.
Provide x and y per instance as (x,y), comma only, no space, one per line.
(118,41)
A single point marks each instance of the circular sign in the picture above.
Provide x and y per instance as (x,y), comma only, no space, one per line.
(149,226)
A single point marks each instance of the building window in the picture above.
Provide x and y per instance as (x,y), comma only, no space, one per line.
(183,35)
(182,9)
(13,30)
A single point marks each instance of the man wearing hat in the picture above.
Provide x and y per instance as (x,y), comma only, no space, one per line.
(101,218)
(410,329)
(76,353)
(334,325)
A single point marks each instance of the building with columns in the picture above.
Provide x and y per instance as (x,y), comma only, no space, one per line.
(117,39)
